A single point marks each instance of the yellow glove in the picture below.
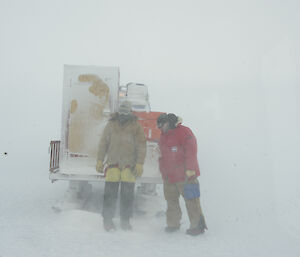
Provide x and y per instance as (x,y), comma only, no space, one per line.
(138,171)
(190,173)
(99,166)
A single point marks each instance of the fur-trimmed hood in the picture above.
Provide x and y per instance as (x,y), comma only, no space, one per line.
(179,121)
(115,116)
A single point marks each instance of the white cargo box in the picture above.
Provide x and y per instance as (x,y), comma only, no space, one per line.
(90,95)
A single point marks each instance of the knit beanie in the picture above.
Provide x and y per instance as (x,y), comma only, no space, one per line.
(172,119)
(163,118)
(125,108)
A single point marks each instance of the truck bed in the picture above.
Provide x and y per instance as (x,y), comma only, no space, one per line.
(82,168)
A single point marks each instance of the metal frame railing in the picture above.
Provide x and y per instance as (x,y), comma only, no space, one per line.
(54,155)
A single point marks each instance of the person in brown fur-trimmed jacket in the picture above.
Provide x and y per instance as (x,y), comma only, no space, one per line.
(123,147)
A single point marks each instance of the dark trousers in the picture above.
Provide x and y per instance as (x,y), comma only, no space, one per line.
(111,190)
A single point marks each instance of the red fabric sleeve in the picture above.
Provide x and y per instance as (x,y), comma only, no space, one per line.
(190,149)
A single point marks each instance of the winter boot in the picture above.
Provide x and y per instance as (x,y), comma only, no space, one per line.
(171,229)
(125,224)
(200,229)
(108,225)
(195,231)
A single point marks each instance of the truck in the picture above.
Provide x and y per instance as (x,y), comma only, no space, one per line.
(90,95)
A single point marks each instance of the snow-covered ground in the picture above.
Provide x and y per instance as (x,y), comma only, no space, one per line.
(30,228)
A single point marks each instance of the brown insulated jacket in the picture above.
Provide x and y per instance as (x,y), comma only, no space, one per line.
(122,145)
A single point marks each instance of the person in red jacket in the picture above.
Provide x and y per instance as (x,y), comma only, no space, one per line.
(179,169)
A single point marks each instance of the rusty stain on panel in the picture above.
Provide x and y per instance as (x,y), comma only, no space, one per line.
(74,106)
(83,120)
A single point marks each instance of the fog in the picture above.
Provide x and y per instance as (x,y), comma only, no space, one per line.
(230,69)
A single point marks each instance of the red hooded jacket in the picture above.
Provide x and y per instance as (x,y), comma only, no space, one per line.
(178,149)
